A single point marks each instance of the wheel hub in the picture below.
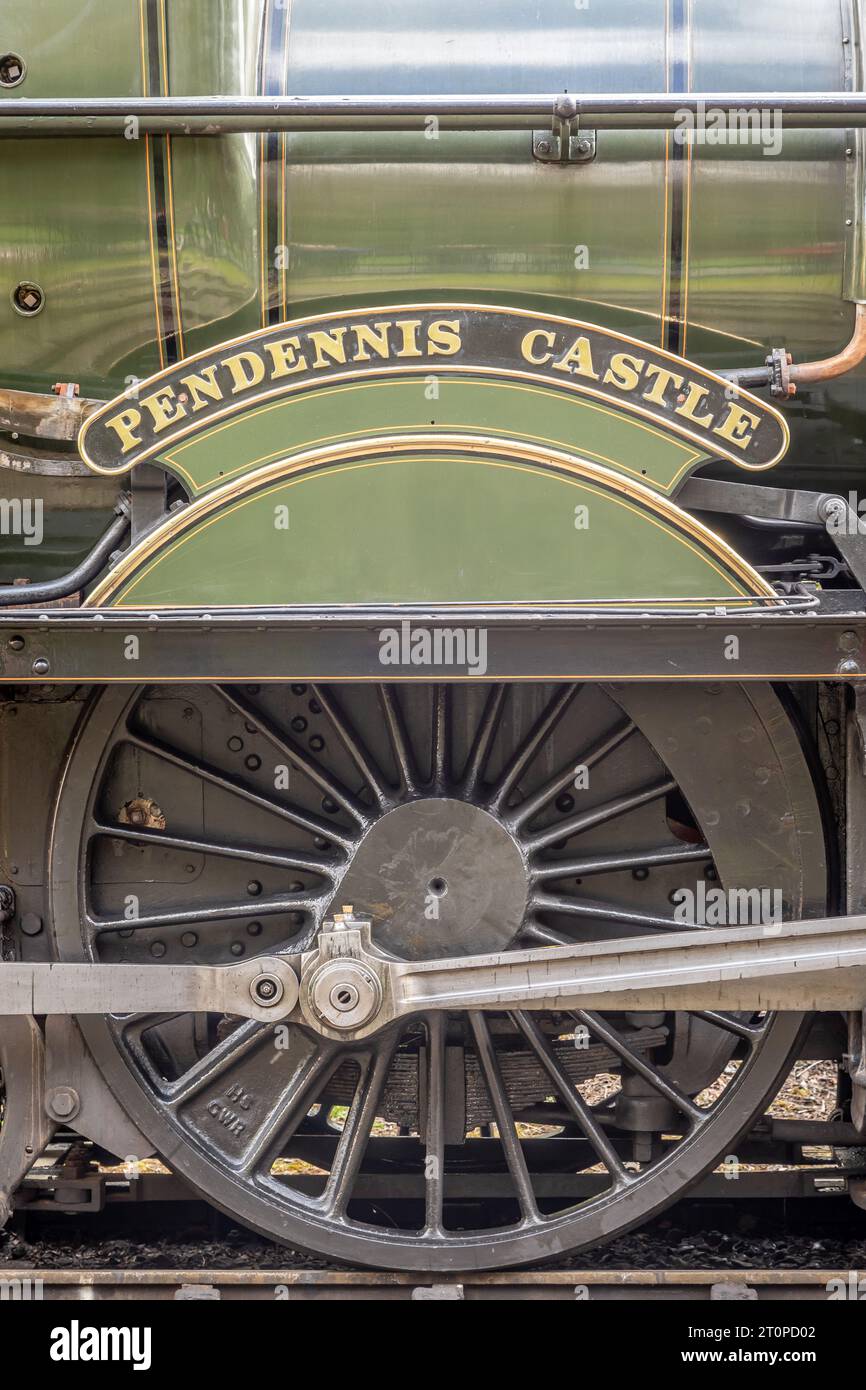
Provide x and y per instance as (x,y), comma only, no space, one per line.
(438,877)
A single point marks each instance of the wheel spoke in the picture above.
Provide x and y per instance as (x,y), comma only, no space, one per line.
(546,936)
(620,863)
(611,810)
(537,735)
(301,1093)
(441,753)
(749,1031)
(355,747)
(485,734)
(605,912)
(314,825)
(504,1120)
(357,1128)
(217,912)
(139,835)
(519,815)
(400,745)
(614,1040)
(575,1104)
(221,1060)
(434,1125)
(293,752)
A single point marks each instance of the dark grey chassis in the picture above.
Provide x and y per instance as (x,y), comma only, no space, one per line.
(810,637)
(553,632)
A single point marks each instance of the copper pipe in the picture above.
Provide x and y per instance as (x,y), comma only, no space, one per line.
(844,361)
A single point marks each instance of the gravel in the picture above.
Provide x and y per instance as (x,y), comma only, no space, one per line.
(669,1243)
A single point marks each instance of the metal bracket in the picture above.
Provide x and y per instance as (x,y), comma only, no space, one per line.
(149,499)
(26,1127)
(857,713)
(581,148)
(791,505)
(779,363)
(565,143)
(71,1073)
(855,1064)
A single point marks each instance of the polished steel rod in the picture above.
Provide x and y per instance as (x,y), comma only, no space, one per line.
(219,115)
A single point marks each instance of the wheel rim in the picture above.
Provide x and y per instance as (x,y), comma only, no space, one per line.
(460,800)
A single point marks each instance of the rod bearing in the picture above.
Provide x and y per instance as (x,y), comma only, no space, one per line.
(344,994)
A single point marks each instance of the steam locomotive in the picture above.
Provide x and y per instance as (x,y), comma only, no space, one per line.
(432,615)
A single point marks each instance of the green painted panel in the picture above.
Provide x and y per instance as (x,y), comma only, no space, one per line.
(378,215)
(215,48)
(75,212)
(332,414)
(428,528)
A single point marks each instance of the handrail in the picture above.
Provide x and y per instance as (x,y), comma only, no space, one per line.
(219,115)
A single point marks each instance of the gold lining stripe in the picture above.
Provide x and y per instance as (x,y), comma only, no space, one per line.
(666,222)
(313,460)
(151,206)
(687,218)
(284,191)
(263,249)
(169,181)
(263,169)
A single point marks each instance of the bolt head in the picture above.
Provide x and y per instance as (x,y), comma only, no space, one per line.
(63,1103)
(266,990)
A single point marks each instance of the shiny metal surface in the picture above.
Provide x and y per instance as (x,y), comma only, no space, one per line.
(719,251)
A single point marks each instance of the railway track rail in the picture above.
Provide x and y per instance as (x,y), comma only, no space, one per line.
(281,1285)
